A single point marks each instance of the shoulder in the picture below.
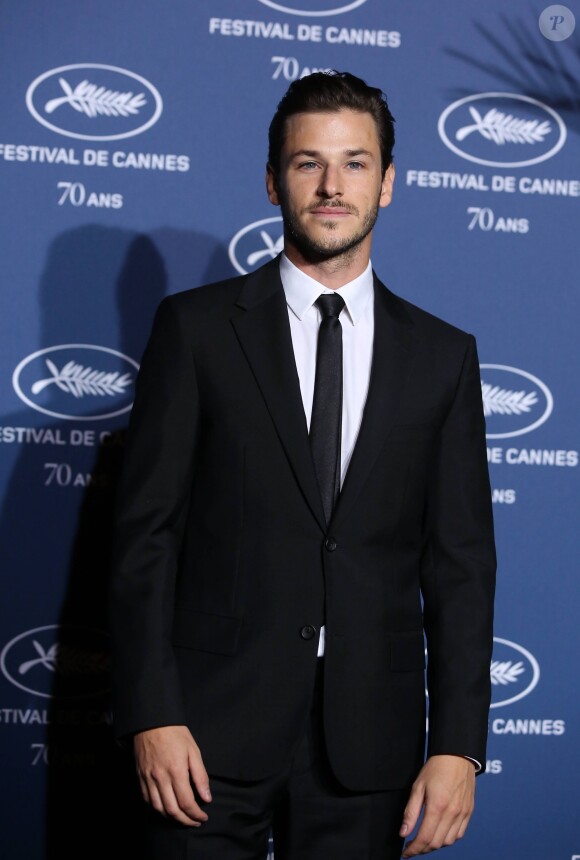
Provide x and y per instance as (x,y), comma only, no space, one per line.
(429,329)
(199,313)
(436,327)
(217,301)
(212,298)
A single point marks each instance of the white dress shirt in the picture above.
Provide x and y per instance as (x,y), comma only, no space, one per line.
(358,322)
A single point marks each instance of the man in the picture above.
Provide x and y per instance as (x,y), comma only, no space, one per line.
(302,500)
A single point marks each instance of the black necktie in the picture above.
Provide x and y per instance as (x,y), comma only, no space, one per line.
(326,420)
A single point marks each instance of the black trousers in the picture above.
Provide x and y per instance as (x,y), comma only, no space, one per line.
(311,816)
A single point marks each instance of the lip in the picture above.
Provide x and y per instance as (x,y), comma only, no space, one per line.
(331,213)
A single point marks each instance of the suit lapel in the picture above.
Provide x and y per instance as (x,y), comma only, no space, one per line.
(263,331)
(393,348)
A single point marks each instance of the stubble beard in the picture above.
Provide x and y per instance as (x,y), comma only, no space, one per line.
(316,250)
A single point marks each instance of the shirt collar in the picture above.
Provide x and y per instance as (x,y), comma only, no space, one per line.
(302,291)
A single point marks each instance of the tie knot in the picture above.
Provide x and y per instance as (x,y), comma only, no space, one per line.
(330,305)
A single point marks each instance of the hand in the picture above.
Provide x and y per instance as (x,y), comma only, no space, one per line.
(446,788)
(168,761)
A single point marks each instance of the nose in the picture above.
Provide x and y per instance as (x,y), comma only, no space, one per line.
(330,184)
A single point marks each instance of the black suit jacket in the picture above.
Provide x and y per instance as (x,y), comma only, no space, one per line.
(224,560)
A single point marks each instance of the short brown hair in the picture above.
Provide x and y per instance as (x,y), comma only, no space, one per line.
(327,92)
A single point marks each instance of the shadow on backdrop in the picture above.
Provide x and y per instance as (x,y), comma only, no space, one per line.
(517,59)
(100,286)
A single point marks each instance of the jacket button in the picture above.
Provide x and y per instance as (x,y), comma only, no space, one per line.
(330,544)
(308,631)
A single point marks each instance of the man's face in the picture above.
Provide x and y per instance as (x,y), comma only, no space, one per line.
(330,185)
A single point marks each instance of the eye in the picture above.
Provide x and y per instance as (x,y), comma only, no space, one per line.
(355,165)
(307,165)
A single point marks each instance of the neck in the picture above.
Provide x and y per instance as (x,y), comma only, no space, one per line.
(331,272)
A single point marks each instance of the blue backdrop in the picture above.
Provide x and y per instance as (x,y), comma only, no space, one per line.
(132,153)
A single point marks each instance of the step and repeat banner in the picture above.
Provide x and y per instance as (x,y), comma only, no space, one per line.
(132,153)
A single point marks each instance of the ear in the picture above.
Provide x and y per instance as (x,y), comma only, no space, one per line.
(272,185)
(387,186)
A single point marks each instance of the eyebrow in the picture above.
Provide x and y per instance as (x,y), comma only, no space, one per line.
(314,153)
(352,153)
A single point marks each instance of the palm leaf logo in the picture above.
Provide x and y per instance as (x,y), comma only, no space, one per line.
(271,249)
(504,128)
(501,401)
(94,101)
(79,381)
(502,674)
(45,658)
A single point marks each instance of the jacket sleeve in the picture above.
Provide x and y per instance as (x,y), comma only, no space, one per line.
(152,502)
(458,576)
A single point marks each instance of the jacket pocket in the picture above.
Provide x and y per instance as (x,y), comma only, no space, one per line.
(203,631)
(407,651)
